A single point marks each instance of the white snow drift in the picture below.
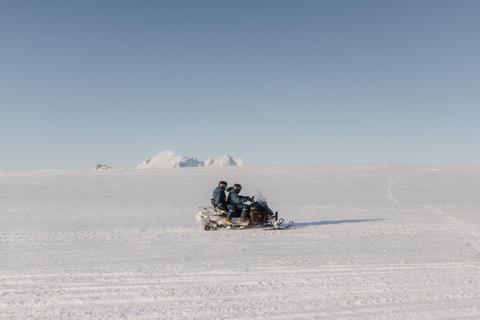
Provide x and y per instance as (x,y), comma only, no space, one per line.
(169,159)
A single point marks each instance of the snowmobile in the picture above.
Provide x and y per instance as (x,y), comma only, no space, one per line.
(213,218)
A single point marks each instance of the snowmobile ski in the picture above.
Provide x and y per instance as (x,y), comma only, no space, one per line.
(290,224)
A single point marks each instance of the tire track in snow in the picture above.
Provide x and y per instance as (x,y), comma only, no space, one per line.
(470,234)
(334,291)
(390,195)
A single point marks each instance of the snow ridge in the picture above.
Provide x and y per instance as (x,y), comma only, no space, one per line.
(169,159)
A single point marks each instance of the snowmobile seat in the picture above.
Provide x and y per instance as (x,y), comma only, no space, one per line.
(217,209)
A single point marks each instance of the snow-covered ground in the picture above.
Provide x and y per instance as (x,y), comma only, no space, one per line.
(369,242)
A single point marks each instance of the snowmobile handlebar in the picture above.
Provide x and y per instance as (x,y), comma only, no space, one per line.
(246,198)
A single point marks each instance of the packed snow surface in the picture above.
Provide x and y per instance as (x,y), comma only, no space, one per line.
(369,242)
(169,159)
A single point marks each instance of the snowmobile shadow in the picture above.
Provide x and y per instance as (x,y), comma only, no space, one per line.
(321,223)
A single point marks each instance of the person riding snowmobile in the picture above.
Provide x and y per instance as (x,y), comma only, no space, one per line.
(236,203)
(219,196)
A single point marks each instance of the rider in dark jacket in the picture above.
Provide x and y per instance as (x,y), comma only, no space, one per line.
(236,203)
(219,196)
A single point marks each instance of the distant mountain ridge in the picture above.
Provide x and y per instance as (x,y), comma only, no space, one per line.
(169,159)
(101,166)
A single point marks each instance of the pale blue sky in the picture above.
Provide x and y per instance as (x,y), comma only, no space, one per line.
(272,82)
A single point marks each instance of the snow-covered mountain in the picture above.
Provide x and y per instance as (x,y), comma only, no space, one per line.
(224,161)
(169,159)
(104,167)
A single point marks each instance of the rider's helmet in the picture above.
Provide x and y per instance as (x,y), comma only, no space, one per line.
(237,188)
(223,184)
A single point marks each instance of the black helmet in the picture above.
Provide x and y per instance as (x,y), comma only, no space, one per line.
(237,187)
(223,184)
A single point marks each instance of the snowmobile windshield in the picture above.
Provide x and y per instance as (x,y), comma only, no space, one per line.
(260,199)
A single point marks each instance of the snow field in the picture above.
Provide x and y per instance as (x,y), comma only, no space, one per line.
(369,242)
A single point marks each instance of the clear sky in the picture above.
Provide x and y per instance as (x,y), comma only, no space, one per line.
(272,82)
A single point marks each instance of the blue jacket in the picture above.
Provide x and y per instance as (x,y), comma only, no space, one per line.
(234,198)
(220,198)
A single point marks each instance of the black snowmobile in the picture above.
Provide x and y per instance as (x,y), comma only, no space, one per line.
(261,215)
